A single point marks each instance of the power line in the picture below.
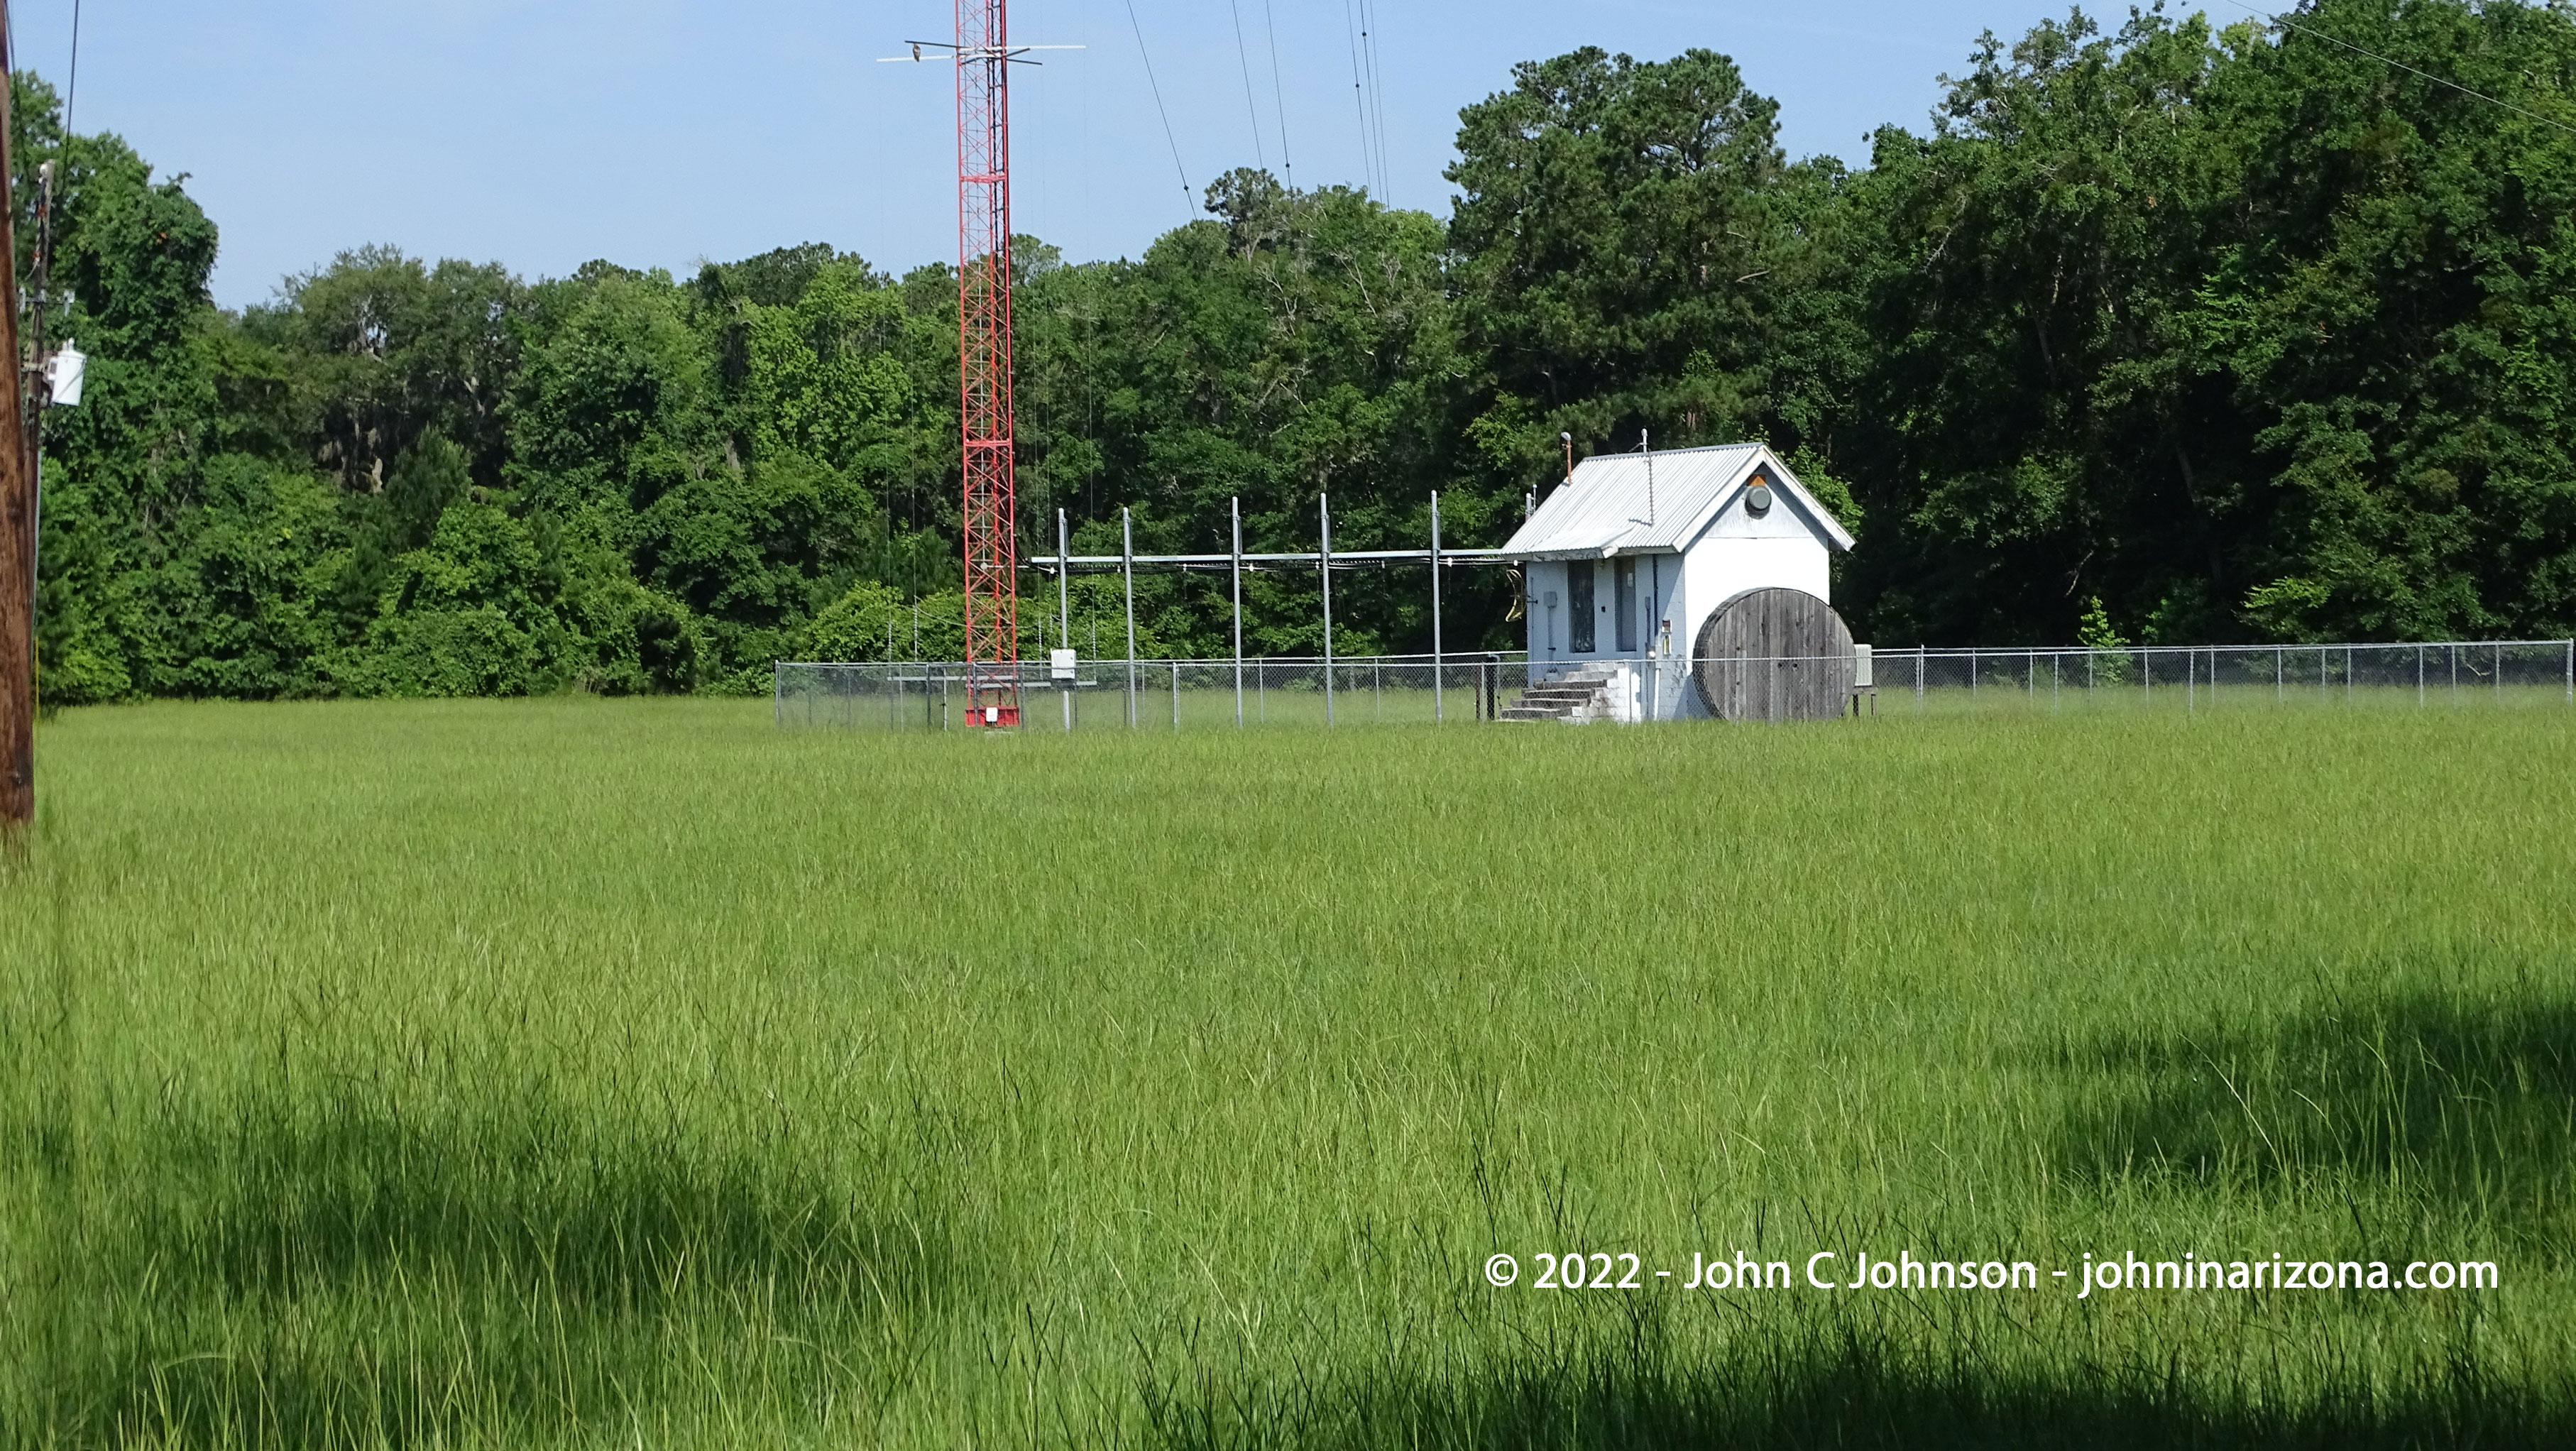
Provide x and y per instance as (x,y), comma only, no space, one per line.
(1189,197)
(1251,107)
(2403,66)
(1377,97)
(71,89)
(1359,98)
(1279,93)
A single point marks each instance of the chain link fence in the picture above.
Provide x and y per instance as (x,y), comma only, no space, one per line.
(1507,687)
(1162,694)
(2218,677)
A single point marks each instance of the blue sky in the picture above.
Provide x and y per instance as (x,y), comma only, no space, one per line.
(663,132)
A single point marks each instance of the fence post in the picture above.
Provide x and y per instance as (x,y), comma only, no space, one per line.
(1127,556)
(1324,511)
(1918,679)
(1439,705)
(1064,606)
(1235,507)
(1176,695)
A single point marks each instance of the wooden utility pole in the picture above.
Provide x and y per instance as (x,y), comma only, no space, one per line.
(17,517)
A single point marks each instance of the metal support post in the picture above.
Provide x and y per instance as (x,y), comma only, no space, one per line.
(1235,507)
(1324,513)
(1127,556)
(1439,706)
(1064,605)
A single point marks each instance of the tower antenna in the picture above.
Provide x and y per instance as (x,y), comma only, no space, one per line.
(984,56)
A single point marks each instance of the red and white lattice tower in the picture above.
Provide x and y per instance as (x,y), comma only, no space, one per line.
(984,359)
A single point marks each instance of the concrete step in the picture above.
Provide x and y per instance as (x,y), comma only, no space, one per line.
(1572,698)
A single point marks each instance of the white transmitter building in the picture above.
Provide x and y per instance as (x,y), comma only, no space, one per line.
(1689,583)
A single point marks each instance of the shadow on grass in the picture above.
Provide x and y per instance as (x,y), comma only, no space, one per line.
(2468,1110)
(1850,1394)
(347,1273)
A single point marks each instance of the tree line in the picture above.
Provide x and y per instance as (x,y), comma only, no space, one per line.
(2171,332)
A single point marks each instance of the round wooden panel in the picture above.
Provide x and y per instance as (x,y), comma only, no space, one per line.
(1774,654)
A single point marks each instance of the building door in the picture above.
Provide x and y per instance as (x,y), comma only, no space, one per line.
(1579,607)
(1627,606)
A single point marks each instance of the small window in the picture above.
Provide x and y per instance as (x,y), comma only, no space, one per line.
(1579,607)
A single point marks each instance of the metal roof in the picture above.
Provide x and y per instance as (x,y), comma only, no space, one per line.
(1660,503)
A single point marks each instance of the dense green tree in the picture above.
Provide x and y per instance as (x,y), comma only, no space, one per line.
(2034,427)
(2391,307)
(153,583)
(1624,226)
(2245,333)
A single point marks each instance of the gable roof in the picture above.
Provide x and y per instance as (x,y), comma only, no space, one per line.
(1603,510)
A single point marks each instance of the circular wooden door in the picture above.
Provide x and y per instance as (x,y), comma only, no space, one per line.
(1774,654)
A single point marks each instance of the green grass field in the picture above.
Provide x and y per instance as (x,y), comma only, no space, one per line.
(587,1074)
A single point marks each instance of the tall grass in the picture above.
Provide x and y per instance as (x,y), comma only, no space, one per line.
(564,1073)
